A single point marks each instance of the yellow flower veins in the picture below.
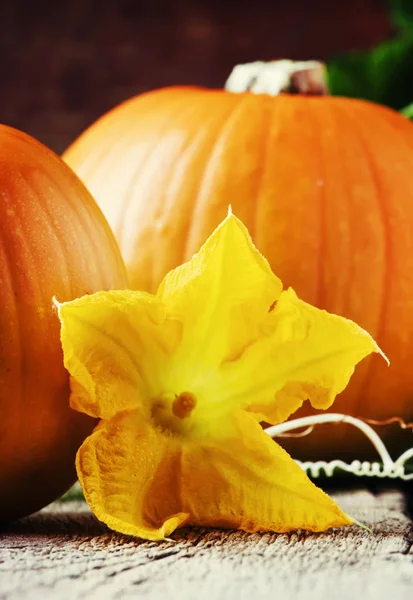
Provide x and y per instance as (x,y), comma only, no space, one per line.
(181,382)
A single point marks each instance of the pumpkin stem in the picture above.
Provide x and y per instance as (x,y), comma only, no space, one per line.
(279,76)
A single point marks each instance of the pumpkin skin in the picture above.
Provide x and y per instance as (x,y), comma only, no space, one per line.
(54,241)
(325,187)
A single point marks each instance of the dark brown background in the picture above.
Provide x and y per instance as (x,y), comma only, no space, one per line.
(62,64)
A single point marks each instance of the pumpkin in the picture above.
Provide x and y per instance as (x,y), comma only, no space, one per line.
(324,184)
(54,242)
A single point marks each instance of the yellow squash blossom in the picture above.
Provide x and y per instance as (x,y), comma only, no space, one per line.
(181,382)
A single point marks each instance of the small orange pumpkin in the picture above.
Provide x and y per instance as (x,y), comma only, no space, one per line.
(324,184)
(54,241)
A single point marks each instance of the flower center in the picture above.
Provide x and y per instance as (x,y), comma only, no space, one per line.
(183,405)
(171,411)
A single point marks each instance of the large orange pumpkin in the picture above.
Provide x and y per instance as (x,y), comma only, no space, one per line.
(325,186)
(54,241)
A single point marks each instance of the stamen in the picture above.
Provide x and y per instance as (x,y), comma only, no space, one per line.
(183,405)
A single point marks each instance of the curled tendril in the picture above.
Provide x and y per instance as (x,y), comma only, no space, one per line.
(385,468)
(298,434)
(402,424)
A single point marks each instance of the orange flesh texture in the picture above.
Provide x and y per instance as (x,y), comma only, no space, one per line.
(325,187)
(54,241)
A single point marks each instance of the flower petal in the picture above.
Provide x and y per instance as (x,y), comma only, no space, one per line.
(130,475)
(115,348)
(306,354)
(143,482)
(244,480)
(223,295)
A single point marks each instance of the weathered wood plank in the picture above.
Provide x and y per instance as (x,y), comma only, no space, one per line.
(63,552)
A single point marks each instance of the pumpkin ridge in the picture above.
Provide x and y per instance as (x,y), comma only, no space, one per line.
(85,214)
(357,131)
(63,250)
(88,222)
(317,141)
(350,210)
(189,108)
(393,123)
(18,334)
(96,160)
(173,114)
(226,128)
(17,328)
(258,199)
(132,184)
(13,275)
(194,145)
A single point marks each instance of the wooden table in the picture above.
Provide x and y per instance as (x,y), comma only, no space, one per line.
(63,552)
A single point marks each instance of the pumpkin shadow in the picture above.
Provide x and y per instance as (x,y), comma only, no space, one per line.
(77,522)
(408,490)
(347,483)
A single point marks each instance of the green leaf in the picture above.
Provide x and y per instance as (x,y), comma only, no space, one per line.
(383,75)
(401,13)
(408,111)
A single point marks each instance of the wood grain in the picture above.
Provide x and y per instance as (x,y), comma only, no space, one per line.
(64,553)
